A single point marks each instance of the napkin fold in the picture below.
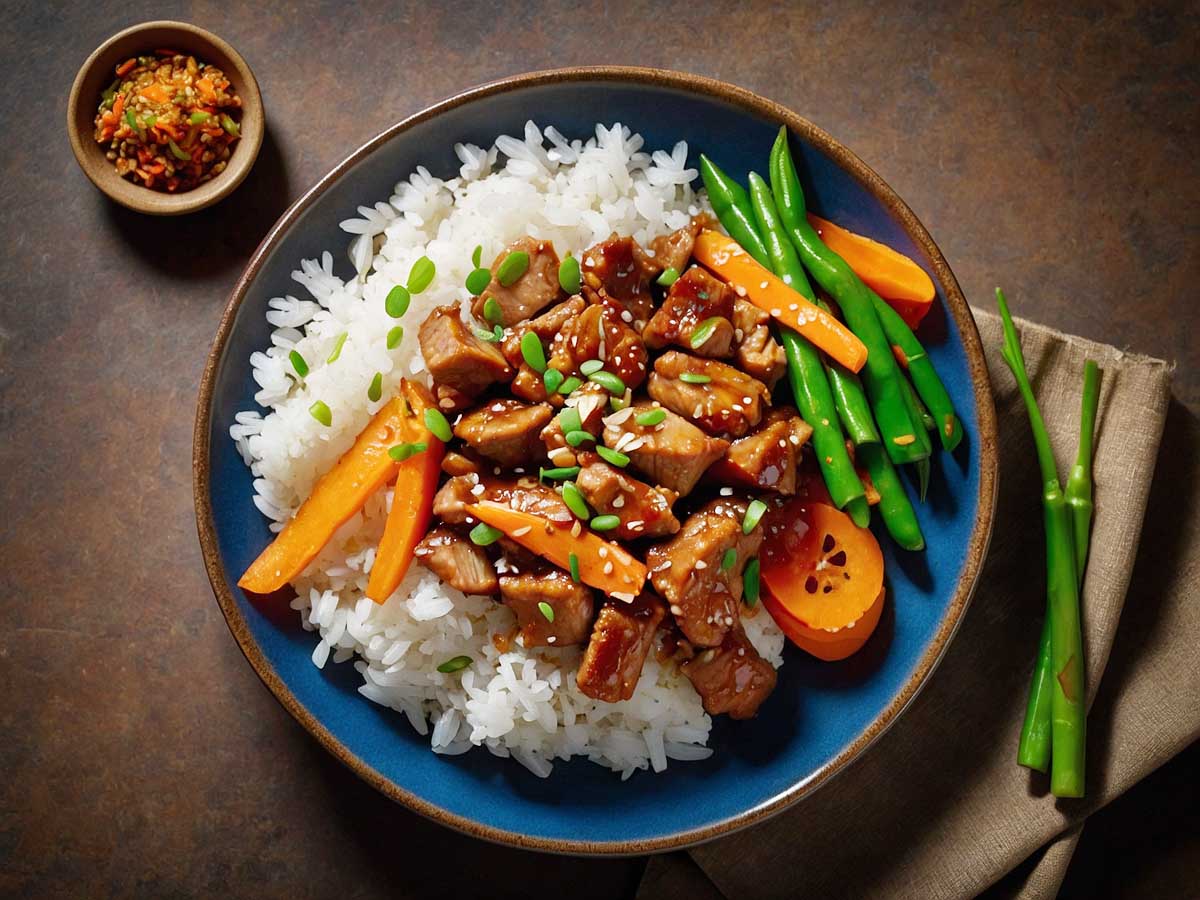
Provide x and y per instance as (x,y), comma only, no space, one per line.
(939,807)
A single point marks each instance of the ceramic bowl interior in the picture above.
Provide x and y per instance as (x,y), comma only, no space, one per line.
(822,715)
(97,73)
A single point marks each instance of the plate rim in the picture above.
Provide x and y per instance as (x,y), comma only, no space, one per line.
(977,544)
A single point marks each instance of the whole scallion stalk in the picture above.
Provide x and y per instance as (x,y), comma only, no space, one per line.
(1066,688)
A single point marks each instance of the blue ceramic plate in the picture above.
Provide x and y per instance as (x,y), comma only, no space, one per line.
(822,715)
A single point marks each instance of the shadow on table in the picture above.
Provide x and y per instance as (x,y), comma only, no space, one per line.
(212,240)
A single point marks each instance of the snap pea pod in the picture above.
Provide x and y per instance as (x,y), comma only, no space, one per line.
(881,374)
(894,507)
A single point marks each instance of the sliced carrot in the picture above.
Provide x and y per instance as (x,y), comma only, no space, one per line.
(892,275)
(758,285)
(339,494)
(118,107)
(124,68)
(412,500)
(603,565)
(206,89)
(826,645)
(155,92)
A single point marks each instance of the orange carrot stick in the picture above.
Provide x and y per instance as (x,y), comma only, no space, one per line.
(125,67)
(118,106)
(339,494)
(625,577)
(412,500)
(892,275)
(758,285)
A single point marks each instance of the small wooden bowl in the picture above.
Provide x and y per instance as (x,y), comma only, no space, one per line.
(97,73)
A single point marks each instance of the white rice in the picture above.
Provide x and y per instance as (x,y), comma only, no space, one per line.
(523,704)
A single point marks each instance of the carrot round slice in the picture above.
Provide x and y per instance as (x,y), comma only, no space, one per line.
(827,645)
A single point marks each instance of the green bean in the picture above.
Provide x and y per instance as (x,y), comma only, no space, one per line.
(732,206)
(895,508)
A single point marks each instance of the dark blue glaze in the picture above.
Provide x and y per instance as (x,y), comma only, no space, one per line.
(818,708)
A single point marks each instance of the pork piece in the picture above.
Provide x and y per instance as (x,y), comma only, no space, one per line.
(455,463)
(756,352)
(526,495)
(674,250)
(694,298)
(730,403)
(673,453)
(536,289)
(620,349)
(687,571)
(506,431)
(458,562)
(590,403)
(570,604)
(462,366)
(644,511)
(767,459)
(621,640)
(731,678)
(619,270)
(528,384)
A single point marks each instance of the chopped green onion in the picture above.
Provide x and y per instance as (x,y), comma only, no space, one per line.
(298,363)
(321,413)
(669,276)
(574,500)
(437,424)
(604,523)
(651,417)
(573,562)
(492,312)
(397,301)
(498,332)
(569,420)
(401,452)
(703,332)
(230,126)
(616,404)
(610,382)
(513,267)
(420,276)
(569,386)
(703,295)
(454,665)
(750,582)
(613,456)
(575,438)
(150,120)
(394,337)
(694,378)
(477,255)
(728,560)
(133,123)
(568,274)
(478,281)
(553,379)
(560,473)
(375,390)
(490,336)
(484,535)
(591,366)
(177,153)
(754,514)
(337,347)
(198,117)
(546,610)
(110,93)
(532,352)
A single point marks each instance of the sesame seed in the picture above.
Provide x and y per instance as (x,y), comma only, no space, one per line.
(603,552)
(764,285)
(665,566)
(522,531)
(618,502)
(551,639)
(479,490)
(793,306)
(747,400)
(608,568)
(676,610)
(729,621)
(726,492)
(776,312)
(576,529)
(701,564)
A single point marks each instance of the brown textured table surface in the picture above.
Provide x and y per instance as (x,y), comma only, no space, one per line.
(1053,151)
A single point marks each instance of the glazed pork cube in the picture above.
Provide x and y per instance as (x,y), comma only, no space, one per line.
(506,431)
(729,403)
(731,678)
(570,607)
(674,453)
(535,289)
(621,640)
(457,561)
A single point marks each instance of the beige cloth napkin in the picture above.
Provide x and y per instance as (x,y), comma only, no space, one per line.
(939,807)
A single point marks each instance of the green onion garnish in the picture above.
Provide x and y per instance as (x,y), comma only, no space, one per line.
(750,582)
(492,312)
(513,267)
(610,382)
(553,379)
(321,413)
(569,420)
(569,386)
(490,336)
(397,301)
(703,332)
(575,438)
(133,123)
(420,276)
(498,332)
(478,281)
(694,378)
(150,121)
(437,424)
(298,363)
(754,514)
(375,389)
(401,452)
(198,117)
(532,352)
(616,404)
(575,501)
(703,295)
(546,610)
(568,274)
(454,665)
(591,366)
(394,337)
(337,347)
(615,457)
(561,473)
(110,93)
(604,523)
(177,153)
(484,535)
(728,560)
(573,562)
(477,255)
(650,417)
(669,276)
(230,126)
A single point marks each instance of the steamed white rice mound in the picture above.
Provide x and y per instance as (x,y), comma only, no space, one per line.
(519,703)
